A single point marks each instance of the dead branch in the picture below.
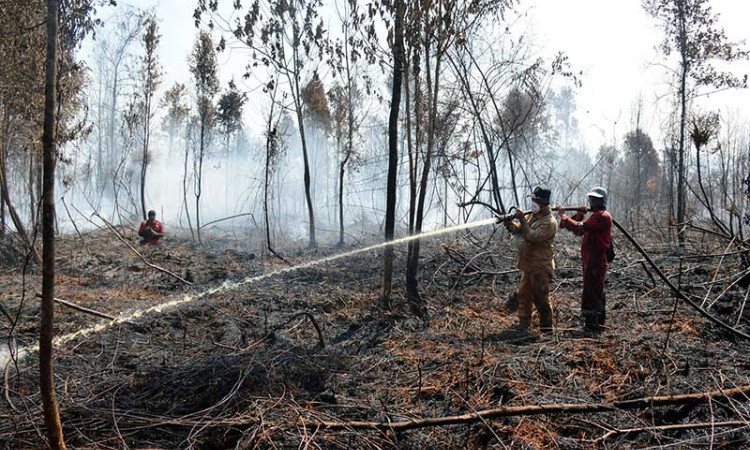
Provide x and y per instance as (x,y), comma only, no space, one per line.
(674,288)
(531,410)
(321,341)
(648,272)
(6,385)
(672,427)
(81,308)
(75,227)
(145,261)
(228,218)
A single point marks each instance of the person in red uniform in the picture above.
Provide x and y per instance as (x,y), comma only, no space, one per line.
(151,231)
(597,238)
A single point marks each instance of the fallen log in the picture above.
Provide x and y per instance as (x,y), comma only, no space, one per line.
(531,410)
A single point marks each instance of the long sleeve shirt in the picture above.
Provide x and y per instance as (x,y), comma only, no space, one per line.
(538,233)
(156,227)
(597,236)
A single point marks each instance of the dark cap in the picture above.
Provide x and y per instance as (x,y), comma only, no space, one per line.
(541,195)
(152,213)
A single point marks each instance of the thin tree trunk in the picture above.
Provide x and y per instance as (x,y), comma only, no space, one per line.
(199,181)
(270,142)
(265,196)
(38,177)
(683,114)
(513,175)
(485,137)
(144,165)
(412,267)
(350,137)
(146,138)
(111,144)
(305,158)
(413,150)
(341,198)
(445,200)
(47,380)
(2,212)
(100,133)
(390,207)
(709,205)
(14,217)
(308,195)
(184,183)
(32,192)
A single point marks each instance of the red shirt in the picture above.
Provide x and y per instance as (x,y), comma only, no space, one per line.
(597,236)
(156,227)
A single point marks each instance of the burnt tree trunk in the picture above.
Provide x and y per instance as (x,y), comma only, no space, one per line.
(270,147)
(390,206)
(199,180)
(412,267)
(308,195)
(46,379)
(342,169)
(184,182)
(349,141)
(145,155)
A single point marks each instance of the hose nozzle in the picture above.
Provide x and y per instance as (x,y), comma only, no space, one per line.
(504,218)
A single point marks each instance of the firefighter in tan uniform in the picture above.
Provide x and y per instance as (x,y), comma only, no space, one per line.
(535,259)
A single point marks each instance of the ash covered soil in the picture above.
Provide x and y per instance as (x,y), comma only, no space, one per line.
(245,368)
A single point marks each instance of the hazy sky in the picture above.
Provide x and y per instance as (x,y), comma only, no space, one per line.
(613,42)
(616,43)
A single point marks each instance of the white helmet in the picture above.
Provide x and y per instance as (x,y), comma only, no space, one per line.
(599,192)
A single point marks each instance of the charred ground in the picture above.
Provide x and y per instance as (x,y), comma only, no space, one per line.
(246,367)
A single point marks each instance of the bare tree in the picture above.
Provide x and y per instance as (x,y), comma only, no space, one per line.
(274,152)
(203,66)
(693,32)
(116,50)
(434,28)
(286,40)
(151,78)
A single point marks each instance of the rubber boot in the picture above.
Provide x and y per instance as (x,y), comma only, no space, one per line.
(591,323)
(512,304)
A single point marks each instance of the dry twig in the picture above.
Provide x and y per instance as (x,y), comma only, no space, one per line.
(145,261)
(80,308)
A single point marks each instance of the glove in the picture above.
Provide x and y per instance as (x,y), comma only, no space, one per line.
(580,214)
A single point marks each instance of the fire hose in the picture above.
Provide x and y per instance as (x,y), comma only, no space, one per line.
(506,217)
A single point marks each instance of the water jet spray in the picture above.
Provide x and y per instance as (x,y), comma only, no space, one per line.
(228,286)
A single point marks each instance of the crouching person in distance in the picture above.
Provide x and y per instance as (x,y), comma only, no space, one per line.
(535,259)
(597,239)
(151,230)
